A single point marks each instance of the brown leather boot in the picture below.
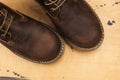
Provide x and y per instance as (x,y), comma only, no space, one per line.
(29,38)
(76,21)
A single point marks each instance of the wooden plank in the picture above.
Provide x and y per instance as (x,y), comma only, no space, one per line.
(100,64)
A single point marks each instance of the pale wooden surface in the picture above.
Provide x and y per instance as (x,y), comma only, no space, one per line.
(100,64)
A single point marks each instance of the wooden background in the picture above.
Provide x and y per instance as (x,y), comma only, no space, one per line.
(100,64)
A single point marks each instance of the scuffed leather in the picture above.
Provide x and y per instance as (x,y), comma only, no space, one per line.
(78,23)
(31,39)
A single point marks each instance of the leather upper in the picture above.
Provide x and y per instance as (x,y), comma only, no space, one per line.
(76,21)
(31,39)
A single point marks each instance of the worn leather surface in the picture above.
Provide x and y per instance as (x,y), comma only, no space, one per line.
(30,39)
(76,21)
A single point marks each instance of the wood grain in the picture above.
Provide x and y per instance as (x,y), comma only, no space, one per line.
(100,64)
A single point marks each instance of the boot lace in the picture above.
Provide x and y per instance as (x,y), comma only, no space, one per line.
(56,4)
(6,21)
